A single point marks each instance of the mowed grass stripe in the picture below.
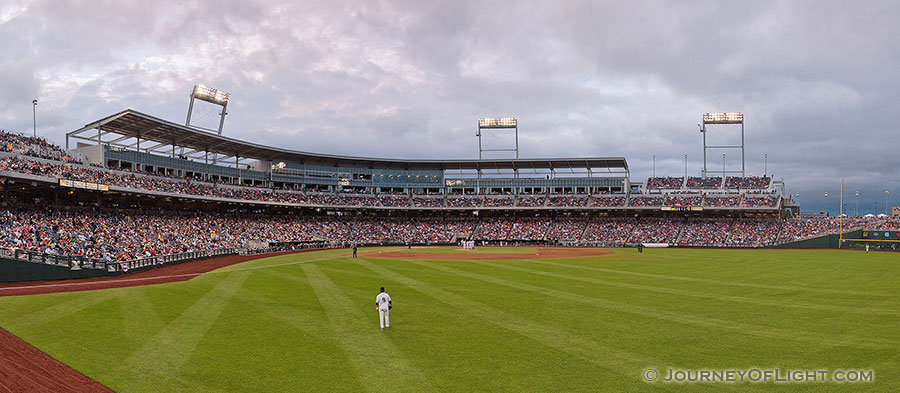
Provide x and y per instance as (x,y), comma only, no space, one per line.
(78,302)
(138,313)
(621,362)
(682,292)
(163,355)
(692,320)
(244,266)
(379,364)
(715,282)
(288,314)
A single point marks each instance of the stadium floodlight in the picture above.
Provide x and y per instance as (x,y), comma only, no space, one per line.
(209,94)
(724,118)
(501,122)
(212,96)
(497,123)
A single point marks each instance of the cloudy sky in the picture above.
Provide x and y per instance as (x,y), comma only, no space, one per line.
(817,80)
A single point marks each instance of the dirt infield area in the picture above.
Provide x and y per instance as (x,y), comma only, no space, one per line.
(475,256)
(24,368)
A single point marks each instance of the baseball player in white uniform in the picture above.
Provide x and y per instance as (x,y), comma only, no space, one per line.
(383,305)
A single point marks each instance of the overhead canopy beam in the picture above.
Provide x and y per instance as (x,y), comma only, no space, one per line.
(133,124)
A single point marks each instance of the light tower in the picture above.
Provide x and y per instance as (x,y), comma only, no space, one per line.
(210,95)
(34,118)
(497,124)
(729,118)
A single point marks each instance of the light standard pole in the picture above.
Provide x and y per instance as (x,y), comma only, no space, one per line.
(654,165)
(685,167)
(857,203)
(723,167)
(826,203)
(886,209)
(34,118)
(766,167)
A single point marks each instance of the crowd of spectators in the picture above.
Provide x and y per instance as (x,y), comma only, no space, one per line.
(504,201)
(608,232)
(394,200)
(749,182)
(709,183)
(193,186)
(605,201)
(528,229)
(711,233)
(803,228)
(645,201)
(493,228)
(683,200)
(531,201)
(704,183)
(464,201)
(722,201)
(760,201)
(655,231)
(566,229)
(12,142)
(427,201)
(566,200)
(753,232)
(117,235)
(121,235)
(667,183)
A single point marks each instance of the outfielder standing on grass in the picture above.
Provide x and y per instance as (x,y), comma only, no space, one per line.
(383,305)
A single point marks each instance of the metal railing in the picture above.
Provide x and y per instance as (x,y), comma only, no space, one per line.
(173,258)
(217,252)
(73,262)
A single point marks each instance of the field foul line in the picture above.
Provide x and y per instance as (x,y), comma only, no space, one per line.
(90,283)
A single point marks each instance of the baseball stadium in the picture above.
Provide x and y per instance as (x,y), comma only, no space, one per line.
(147,255)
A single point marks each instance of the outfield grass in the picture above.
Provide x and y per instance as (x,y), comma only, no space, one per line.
(307,323)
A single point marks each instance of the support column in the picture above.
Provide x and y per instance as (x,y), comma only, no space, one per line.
(139,166)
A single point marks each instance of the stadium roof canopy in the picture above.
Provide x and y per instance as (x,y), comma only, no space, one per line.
(134,130)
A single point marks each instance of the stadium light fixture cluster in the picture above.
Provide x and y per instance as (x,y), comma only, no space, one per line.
(208,94)
(723,118)
(500,122)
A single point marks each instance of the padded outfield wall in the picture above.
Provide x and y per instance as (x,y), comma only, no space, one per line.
(877,240)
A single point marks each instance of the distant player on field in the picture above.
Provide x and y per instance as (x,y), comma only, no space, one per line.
(383,305)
